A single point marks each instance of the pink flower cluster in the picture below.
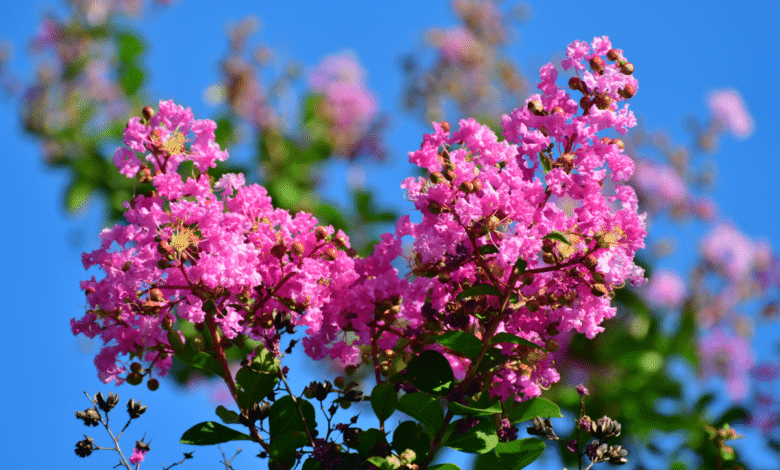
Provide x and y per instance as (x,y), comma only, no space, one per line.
(193,248)
(542,219)
(729,356)
(729,108)
(349,105)
(666,289)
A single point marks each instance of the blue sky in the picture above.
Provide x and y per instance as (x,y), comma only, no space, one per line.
(681,51)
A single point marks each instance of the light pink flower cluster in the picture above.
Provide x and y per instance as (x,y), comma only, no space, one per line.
(349,106)
(197,251)
(729,108)
(729,356)
(666,289)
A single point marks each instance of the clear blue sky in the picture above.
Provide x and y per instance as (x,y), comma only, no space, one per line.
(681,51)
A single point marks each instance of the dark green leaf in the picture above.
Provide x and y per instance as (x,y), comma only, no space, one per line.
(285,419)
(431,372)
(477,440)
(488,249)
(311,464)
(253,386)
(210,433)
(384,400)
(513,455)
(201,360)
(283,448)
(735,413)
(521,265)
(368,439)
(423,408)
(410,435)
(444,466)
(479,289)
(463,343)
(505,337)
(227,416)
(546,163)
(527,410)
(558,236)
(459,409)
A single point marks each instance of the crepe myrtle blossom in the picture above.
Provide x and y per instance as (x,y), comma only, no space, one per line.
(201,251)
(730,110)
(728,356)
(218,254)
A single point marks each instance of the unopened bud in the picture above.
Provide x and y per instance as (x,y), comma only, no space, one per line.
(445,126)
(585,103)
(156,295)
(627,68)
(153,384)
(627,91)
(466,186)
(437,177)
(621,145)
(297,248)
(340,241)
(602,101)
(147,113)
(435,208)
(532,305)
(535,106)
(167,323)
(596,64)
(613,54)
(134,378)
(321,233)
(528,279)
(575,83)
(558,110)
(548,258)
(477,185)
(331,254)
(598,290)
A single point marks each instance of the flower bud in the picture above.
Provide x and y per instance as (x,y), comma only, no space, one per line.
(627,68)
(528,279)
(598,290)
(532,305)
(467,187)
(156,295)
(437,177)
(602,101)
(340,241)
(590,261)
(575,83)
(619,143)
(627,91)
(134,378)
(136,367)
(331,254)
(167,323)
(536,108)
(153,384)
(297,248)
(147,113)
(435,208)
(321,233)
(548,258)
(585,103)
(279,250)
(445,126)
(477,185)
(596,64)
(558,110)
(613,54)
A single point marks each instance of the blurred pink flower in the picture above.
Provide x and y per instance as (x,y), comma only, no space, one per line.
(659,186)
(729,108)
(728,356)
(666,289)
(729,251)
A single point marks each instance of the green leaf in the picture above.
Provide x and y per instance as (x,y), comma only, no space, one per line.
(311,464)
(463,343)
(521,265)
(505,337)
(131,77)
(285,419)
(227,416)
(546,163)
(77,195)
(558,236)
(459,409)
(368,439)
(423,408)
(129,46)
(210,433)
(479,289)
(444,466)
(410,435)
(283,448)
(253,386)
(477,440)
(488,249)
(529,409)
(431,372)
(384,400)
(201,360)
(513,455)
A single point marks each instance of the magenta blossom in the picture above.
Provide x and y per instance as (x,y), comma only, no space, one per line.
(729,109)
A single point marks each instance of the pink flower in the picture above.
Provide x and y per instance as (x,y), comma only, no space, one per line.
(728,356)
(666,289)
(729,251)
(139,454)
(729,108)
